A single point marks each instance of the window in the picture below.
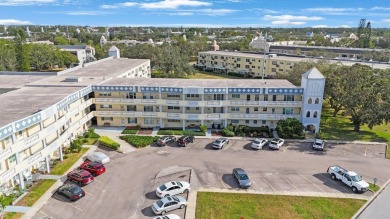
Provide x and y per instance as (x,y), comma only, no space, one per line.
(193,95)
(264,109)
(131,96)
(197,108)
(253,66)
(235,121)
(19,134)
(273,69)
(288,111)
(317,101)
(148,108)
(273,97)
(132,108)
(274,62)
(187,108)
(247,60)
(12,158)
(263,122)
(308,114)
(238,59)
(173,107)
(315,114)
(246,121)
(309,101)
(266,97)
(235,95)
(246,66)
(255,122)
(257,98)
(147,96)
(238,65)
(148,121)
(256,109)
(105,94)
(173,95)
(107,119)
(288,97)
(173,120)
(248,97)
(105,106)
(235,109)
(280,69)
(132,120)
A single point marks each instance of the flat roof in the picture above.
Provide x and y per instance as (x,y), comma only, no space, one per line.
(297,59)
(18,104)
(202,83)
(18,81)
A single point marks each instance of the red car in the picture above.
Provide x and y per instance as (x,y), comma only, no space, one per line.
(94,167)
(81,177)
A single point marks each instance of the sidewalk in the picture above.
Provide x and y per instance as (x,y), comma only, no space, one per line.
(42,201)
(114,133)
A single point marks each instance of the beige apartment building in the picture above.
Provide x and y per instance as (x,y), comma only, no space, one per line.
(252,63)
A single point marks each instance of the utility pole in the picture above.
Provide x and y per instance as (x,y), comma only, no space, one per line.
(265,42)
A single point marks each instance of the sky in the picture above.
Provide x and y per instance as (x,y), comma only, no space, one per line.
(196,13)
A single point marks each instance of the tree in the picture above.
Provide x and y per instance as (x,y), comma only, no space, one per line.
(8,60)
(364,34)
(172,61)
(333,87)
(41,56)
(22,52)
(290,128)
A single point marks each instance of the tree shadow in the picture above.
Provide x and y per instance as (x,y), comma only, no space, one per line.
(151,195)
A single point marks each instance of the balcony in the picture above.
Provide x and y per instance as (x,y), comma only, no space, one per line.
(282,103)
(214,103)
(244,103)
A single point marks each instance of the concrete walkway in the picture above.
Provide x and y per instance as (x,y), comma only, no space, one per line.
(155,130)
(41,201)
(114,133)
(56,177)
(19,209)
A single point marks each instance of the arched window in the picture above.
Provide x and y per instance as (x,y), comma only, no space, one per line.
(315,114)
(317,101)
(308,114)
(309,101)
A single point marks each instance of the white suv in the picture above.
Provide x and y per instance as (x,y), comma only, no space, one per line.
(319,144)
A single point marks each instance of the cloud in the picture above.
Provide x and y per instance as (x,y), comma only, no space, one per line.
(386,21)
(263,10)
(86,13)
(120,5)
(174,4)
(25,2)
(214,12)
(320,26)
(379,9)
(332,10)
(234,0)
(345,26)
(14,22)
(290,19)
(181,13)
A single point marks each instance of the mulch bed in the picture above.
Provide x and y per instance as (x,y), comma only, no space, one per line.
(144,131)
(216,133)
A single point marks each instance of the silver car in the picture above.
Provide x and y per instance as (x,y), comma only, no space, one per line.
(169,203)
(259,143)
(243,179)
(220,142)
(276,143)
(319,144)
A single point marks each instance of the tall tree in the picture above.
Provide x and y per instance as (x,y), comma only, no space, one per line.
(22,52)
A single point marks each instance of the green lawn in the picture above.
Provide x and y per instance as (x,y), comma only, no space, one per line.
(374,188)
(210,205)
(91,141)
(62,167)
(341,128)
(36,192)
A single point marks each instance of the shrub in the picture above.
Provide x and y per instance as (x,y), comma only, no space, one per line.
(203,128)
(65,157)
(91,134)
(130,131)
(108,142)
(170,132)
(194,133)
(227,133)
(290,128)
(139,141)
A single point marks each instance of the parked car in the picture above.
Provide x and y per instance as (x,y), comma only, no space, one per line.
(94,167)
(169,203)
(164,140)
(172,188)
(259,143)
(71,191)
(99,157)
(349,178)
(169,216)
(220,142)
(184,140)
(276,143)
(242,178)
(81,177)
(319,144)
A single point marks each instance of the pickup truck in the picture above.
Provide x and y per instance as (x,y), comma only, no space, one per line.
(349,178)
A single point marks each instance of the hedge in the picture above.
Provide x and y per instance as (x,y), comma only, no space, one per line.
(91,134)
(108,142)
(130,132)
(181,132)
(227,133)
(139,141)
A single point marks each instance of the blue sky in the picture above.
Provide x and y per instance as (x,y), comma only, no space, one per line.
(196,13)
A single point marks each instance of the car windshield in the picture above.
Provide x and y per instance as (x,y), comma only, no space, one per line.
(75,189)
(257,142)
(356,178)
(318,143)
(179,184)
(243,177)
(87,176)
(218,141)
(163,187)
(159,203)
(174,198)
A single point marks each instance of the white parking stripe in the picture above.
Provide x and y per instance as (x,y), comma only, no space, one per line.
(88,193)
(43,213)
(98,180)
(291,184)
(75,207)
(266,181)
(308,144)
(313,183)
(365,152)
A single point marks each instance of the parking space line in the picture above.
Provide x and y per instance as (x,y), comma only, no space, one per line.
(43,213)
(75,207)
(365,152)
(291,184)
(98,180)
(88,193)
(266,181)
(313,183)
(229,145)
(308,144)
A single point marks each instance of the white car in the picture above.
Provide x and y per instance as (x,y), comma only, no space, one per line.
(220,142)
(99,157)
(169,203)
(169,216)
(319,144)
(172,188)
(276,143)
(258,143)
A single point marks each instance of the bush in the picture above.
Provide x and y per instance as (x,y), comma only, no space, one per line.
(170,132)
(91,134)
(194,133)
(227,133)
(203,128)
(139,141)
(108,142)
(65,157)
(130,131)
(290,128)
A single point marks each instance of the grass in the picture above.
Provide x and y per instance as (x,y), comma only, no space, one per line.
(12,215)
(341,128)
(130,132)
(62,167)
(374,188)
(36,192)
(91,141)
(210,205)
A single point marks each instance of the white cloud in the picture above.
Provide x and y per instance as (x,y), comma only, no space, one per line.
(25,2)
(119,5)
(282,22)
(13,22)
(174,4)
(87,13)
(320,26)
(332,10)
(386,21)
(181,13)
(380,9)
(263,10)
(234,0)
(290,19)
(215,12)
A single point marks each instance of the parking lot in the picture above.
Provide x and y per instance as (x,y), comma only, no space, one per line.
(127,188)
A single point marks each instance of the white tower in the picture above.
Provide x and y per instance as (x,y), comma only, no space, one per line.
(114,52)
(42,30)
(313,83)
(103,41)
(184,37)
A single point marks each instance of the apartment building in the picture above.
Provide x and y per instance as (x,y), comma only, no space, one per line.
(252,64)
(40,114)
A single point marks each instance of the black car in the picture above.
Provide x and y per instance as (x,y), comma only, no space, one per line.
(164,140)
(71,191)
(184,140)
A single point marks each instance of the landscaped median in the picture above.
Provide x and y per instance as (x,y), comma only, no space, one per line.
(212,205)
(139,141)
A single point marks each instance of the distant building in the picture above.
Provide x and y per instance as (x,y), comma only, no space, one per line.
(259,43)
(353,36)
(84,53)
(114,52)
(215,46)
(309,34)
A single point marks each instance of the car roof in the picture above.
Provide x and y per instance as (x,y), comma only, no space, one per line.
(167,199)
(220,139)
(239,170)
(95,163)
(351,173)
(170,184)
(98,154)
(319,140)
(81,172)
